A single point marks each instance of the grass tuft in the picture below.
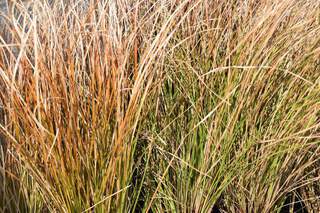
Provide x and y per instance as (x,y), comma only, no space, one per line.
(159,106)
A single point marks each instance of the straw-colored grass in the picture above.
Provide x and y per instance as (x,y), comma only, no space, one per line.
(160,106)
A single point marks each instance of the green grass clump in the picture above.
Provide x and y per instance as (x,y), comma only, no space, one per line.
(160,106)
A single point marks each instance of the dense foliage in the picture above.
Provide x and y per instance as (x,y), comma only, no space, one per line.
(160,106)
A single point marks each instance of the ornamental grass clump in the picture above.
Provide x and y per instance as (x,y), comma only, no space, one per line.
(160,106)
